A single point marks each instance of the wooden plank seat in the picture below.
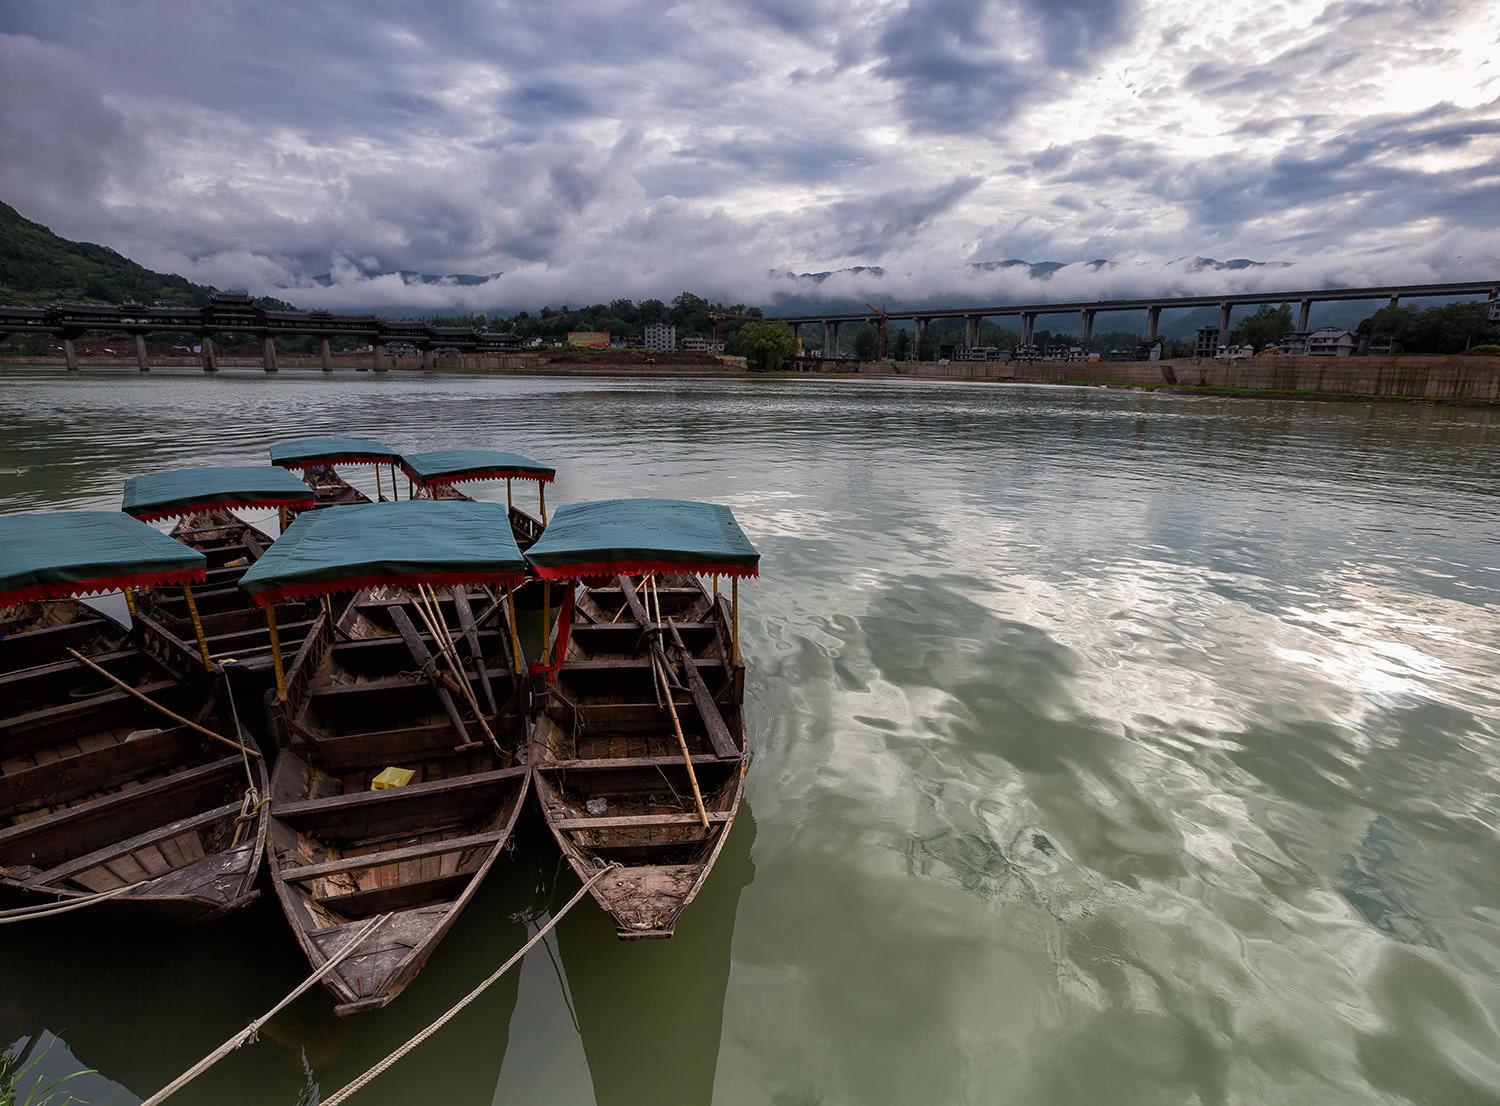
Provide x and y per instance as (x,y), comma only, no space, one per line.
(415,807)
(393,856)
(32,647)
(639,821)
(54,838)
(175,854)
(102,762)
(44,726)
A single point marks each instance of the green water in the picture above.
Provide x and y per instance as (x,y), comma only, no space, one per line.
(1109,748)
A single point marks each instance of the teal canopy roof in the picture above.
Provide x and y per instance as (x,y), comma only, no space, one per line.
(633,536)
(452,466)
(305,452)
(51,556)
(419,541)
(193,491)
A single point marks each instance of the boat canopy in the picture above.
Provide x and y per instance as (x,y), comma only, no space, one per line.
(631,536)
(443,543)
(453,466)
(194,491)
(311,452)
(63,553)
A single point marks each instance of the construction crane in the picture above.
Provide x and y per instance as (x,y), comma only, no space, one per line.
(880,320)
(719,316)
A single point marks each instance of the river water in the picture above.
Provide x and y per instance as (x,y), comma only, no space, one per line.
(1108,748)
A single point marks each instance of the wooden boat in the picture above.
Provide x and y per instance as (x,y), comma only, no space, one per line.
(435,475)
(318,460)
(228,625)
(373,698)
(100,791)
(639,742)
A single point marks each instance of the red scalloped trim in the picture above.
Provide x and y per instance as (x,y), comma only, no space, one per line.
(77,588)
(594,569)
(404,580)
(326,462)
(305,502)
(468,477)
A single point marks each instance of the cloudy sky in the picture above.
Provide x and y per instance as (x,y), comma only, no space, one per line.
(627,147)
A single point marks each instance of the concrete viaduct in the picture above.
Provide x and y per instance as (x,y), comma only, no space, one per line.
(1088,311)
(236,313)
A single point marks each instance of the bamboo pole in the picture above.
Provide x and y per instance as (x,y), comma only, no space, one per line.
(515,638)
(734,583)
(450,654)
(276,652)
(129,594)
(541,490)
(173,715)
(192,606)
(281,518)
(656,667)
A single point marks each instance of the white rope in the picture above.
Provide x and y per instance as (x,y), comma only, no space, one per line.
(47,910)
(347,1092)
(251,1031)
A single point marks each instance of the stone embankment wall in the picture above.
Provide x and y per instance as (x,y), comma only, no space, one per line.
(1407,377)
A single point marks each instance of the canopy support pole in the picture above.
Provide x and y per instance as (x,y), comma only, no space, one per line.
(379,495)
(508,502)
(129,594)
(716,587)
(276,652)
(281,518)
(734,584)
(328,609)
(192,606)
(541,490)
(515,638)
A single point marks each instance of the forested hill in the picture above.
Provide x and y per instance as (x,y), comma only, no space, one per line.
(39,267)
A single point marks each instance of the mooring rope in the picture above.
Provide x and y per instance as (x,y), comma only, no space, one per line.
(251,1031)
(348,1091)
(47,910)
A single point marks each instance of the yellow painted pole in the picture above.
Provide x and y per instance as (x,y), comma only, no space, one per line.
(192,606)
(734,584)
(281,518)
(129,594)
(276,653)
(542,492)
(716,585)
(515,638)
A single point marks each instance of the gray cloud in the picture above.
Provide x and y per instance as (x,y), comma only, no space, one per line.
(622,148)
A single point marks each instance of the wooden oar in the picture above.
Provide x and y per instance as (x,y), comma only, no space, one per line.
(173,715)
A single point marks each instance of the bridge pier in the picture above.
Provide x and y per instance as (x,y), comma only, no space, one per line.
(1153,323)
(142,362)
(378,351)
(325,355)
(268,353)
(1086,328)
(427,359)
(831,340)
(1224,312)
(1028,327)
(210,360)
(70,354)
(971,330)
(1304,314)
(1395,301)
(919,335)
